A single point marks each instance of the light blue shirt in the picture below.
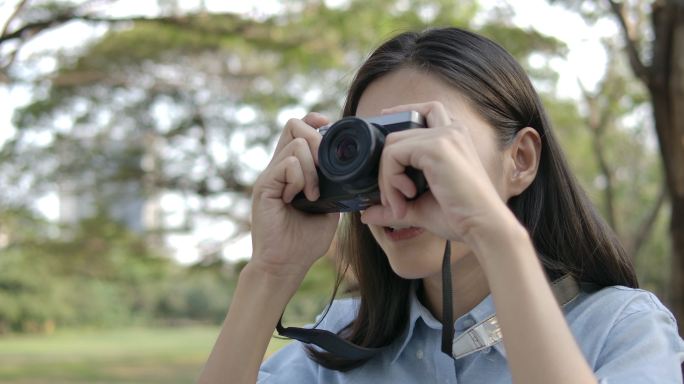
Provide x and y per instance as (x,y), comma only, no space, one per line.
(626,335)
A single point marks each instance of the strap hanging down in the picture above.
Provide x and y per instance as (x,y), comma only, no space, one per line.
(447,313)
(338,346)
(480,336)
(327,341)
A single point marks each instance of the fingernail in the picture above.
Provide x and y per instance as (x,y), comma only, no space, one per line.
(316,193)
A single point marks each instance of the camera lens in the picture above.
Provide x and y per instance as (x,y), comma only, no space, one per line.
(349,153)
(346,149)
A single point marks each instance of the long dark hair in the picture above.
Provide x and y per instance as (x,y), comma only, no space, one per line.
(568,233)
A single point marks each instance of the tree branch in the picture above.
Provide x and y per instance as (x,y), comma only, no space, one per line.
(597,120)
(641,71)
(14,14)
(31,29)
(646,227)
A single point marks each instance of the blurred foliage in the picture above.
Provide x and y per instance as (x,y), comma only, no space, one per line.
(100,274)
(178,104)
(97,273)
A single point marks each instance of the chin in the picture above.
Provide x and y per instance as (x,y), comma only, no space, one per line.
(411,273)
(421,260)
(415,265)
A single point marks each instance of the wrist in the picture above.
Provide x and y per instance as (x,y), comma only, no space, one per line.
(278,276)
(499,235)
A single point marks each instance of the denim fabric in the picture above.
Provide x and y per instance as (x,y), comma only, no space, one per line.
(626,335)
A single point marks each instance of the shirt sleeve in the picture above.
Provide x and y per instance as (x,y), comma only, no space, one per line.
(643,346)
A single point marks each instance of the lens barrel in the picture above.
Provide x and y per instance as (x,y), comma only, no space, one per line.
(349,153)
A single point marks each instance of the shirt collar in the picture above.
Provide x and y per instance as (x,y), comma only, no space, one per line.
(480,312)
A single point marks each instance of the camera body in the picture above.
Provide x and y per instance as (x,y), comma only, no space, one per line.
(348,159)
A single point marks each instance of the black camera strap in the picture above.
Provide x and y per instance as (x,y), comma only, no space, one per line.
(478,337)
(447,307)
(328,341)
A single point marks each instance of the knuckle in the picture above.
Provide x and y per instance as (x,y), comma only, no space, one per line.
(387,152)
(444,143)
(291,161)
(291,124)
(435,104)
(299,142)
(311,115)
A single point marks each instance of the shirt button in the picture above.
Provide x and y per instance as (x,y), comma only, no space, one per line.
(487,350)
(419,354)
(468,323)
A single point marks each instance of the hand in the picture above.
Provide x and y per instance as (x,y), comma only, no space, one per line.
(461,195)
(284,239)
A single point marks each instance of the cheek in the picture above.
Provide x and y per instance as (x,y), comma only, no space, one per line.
(493,163)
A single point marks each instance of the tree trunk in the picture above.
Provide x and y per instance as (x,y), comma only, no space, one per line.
(666,86)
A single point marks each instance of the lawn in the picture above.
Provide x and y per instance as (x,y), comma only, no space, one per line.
(132,355)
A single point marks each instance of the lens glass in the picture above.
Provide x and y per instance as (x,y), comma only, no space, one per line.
(347,149)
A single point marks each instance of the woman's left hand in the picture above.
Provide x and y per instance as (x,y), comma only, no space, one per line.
(461,197)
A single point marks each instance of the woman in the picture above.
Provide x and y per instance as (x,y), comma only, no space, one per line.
(500,193)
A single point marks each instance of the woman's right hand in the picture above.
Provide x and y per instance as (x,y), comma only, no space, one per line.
(285,243)
(285,240)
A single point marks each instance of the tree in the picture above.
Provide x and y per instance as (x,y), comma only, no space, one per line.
(179,103)
(653,38)
(657,60)
(663,75)
(176,103)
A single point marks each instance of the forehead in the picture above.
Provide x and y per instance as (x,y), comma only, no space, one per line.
(405,86)
(410,86)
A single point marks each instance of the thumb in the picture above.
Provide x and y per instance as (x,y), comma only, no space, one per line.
(378,215)
(421,212)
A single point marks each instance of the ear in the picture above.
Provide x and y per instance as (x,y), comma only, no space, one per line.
(522,161)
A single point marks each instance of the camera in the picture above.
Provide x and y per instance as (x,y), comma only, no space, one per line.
(348,159)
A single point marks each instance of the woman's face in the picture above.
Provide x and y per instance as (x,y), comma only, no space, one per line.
(419,254)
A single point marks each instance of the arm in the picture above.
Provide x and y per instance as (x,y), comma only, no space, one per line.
(539,344)
(464,205)
(285,244)
(260,298)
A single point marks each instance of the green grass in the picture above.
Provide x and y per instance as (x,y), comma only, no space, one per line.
(132,355)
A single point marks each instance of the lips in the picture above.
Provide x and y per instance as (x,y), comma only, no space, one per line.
(398,233)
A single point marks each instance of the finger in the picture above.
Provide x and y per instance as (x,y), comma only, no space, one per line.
(411,134)
(394,184)
(290,177)
(296,128)
(282,176)
(393,197)
(299,148)
(404,184)
(378,215)
(434,112)
(315,120)
(419,213)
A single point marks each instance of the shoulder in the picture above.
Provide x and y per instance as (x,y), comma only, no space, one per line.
(600,314)
(627,335)
(291,364)
(617,303)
